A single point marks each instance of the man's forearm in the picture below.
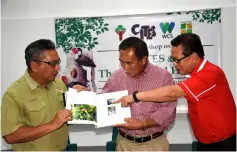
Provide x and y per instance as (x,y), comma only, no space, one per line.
(164,94)
(148,123)
(26,134)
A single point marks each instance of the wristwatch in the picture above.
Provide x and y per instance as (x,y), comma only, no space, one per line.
(135,96)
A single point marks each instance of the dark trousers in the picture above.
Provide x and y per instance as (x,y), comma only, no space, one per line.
(228,144)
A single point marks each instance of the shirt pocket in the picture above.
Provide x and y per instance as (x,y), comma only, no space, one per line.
(37,113)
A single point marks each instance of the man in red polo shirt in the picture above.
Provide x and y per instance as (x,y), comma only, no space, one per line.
(211,105)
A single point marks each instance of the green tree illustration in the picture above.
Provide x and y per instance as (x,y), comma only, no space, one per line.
(208,16)
(120,31)
(79,32)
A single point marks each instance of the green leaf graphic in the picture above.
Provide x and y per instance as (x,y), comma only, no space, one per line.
(79,32)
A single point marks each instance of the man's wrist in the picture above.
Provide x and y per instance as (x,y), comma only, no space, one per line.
(51,126)
(134,95)
(145,125)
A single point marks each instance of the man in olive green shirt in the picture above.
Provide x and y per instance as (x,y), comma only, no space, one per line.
(33,114)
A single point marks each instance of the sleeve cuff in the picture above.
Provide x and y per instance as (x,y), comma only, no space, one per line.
(189,94)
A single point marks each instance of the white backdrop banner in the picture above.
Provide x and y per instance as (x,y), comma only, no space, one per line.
(88,47)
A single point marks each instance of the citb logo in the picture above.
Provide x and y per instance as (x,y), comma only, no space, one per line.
(167,29)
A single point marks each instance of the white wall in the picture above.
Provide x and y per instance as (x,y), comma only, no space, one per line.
(228,27)
(72,8)
(26,20)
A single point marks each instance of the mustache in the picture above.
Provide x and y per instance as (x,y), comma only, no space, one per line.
(55,74)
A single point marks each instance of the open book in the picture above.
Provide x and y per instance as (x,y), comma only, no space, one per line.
(90,108)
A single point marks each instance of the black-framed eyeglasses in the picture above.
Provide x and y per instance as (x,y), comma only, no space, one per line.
(179,60)
(51,63)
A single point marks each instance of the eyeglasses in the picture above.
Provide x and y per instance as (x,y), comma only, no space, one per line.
(51,63)
(179,60)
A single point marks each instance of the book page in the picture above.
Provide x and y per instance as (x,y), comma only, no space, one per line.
(82,105)
(110,114)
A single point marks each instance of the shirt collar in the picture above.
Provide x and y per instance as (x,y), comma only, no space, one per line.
(31,82)
(146,70)
(199,66)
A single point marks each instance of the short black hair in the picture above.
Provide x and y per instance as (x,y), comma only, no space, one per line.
(191,43)
(137,44)
(35,49)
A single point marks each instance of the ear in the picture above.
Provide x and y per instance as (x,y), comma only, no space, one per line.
(34,66)
(144,60)
(194,57)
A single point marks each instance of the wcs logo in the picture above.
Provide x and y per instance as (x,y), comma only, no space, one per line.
(167,29)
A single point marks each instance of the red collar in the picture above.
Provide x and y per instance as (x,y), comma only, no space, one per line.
(199,66)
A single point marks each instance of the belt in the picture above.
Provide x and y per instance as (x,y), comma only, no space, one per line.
(227,144)
(223,141)
(140,139)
